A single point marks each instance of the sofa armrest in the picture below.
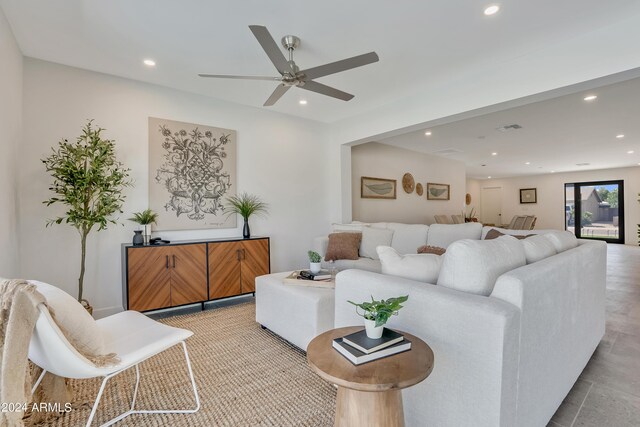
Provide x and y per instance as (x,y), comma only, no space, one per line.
(474,339)
(320,245)
(562,303)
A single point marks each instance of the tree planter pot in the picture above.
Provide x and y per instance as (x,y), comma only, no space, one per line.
(373,331)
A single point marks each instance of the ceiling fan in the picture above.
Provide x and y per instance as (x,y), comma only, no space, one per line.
(290,73)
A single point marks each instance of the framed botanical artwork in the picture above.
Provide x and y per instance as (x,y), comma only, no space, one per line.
(377,188)
(438,191)
(528,195)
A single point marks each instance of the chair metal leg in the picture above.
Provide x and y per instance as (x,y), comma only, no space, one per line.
(38,381)
(135,394)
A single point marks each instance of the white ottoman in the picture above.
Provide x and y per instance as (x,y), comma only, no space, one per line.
(296,313)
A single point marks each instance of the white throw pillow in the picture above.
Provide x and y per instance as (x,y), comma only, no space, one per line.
(349,228)
(408,237)
(419,267)
(537,248)
(562,240)
(372,238)
(442,235)
(73,319)
(473,266)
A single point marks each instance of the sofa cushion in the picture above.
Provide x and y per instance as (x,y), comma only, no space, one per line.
(562,240)
(537,248)
(80,329)
(419,267)
(351,228)
(372,238)
(343,246)
(366,264)
(442,235)
(407,237)
(473,266)
(426,249)
(494,234)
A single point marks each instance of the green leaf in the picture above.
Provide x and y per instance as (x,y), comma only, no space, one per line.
(380,311)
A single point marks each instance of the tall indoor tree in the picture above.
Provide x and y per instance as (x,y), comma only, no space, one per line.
(88,180)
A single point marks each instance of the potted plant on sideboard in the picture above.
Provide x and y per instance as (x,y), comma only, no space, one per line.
(246,205)
(376,313)
(145,219)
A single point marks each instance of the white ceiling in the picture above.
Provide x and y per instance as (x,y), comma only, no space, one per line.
(556,134)
(418,42)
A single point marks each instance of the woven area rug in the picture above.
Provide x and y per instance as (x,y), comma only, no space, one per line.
(246,376)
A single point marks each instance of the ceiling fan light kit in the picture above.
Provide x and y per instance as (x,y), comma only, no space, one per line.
(290,73)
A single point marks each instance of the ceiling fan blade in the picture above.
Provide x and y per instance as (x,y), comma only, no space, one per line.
(277,94)
(226,76)
(271,48)
(326,90)
(338,66)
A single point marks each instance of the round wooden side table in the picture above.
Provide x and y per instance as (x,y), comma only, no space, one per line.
(369,394)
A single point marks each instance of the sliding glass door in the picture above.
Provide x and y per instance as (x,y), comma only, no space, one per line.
(595,210)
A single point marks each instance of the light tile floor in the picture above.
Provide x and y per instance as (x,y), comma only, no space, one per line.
(607,394)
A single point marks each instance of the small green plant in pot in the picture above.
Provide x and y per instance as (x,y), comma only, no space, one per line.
(376,313)
(315,261)
(145,219)
(246,205)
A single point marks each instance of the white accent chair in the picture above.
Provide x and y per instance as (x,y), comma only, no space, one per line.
(132,336)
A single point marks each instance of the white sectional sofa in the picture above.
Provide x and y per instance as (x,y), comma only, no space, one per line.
(507,349)
(506,359)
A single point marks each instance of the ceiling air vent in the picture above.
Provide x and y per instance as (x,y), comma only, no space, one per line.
(583,164)
(446,152)
(507,128)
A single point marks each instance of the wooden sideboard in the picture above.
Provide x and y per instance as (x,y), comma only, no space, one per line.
(187,272)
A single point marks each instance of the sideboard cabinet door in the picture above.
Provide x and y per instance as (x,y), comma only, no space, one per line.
(255,262)
(188,273)
(224,269)
(149,278)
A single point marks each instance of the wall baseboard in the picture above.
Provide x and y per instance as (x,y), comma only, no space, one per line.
(107,311)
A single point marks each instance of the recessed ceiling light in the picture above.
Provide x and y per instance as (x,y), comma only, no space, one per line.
(620,136)
(428,133)
(590,97)
(303,102)
(494,154)
(527,163)
(630,152)
(489,177)
(492,10)
(149,62)
(553,171)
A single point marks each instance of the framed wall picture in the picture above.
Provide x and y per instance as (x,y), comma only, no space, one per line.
(528,195)
(377,188)
(438,191)
(192,169)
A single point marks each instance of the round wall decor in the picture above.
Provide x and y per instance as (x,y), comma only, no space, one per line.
(408,184)
(419,189)
(467,199)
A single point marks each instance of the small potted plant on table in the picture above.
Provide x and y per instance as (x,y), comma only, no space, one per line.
(315,264)
(376,313)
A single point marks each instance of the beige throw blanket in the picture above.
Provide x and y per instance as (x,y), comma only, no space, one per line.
(18,314)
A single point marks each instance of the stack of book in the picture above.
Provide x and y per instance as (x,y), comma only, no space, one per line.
(308,275)
(359,349)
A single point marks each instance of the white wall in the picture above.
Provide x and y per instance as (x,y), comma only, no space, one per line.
(550,192)
(10,134)
(280,158)
(385,161)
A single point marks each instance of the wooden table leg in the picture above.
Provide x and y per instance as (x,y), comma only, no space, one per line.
(372,409)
